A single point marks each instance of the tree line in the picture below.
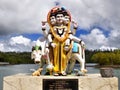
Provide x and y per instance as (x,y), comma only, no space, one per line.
(107,57)
(91,56)
(16,57)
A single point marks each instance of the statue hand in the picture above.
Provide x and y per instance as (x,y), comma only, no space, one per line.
(83,44)
(75,24)
(44,25)
(47,50)
(53,45)
(44,22)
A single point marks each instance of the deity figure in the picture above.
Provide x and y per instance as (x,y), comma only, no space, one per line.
(58,34)
(60,39)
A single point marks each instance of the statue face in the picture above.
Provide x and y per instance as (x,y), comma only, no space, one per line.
(66,19)
(53,20)
(59,18)
(36,54)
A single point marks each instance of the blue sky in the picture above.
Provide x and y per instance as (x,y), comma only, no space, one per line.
(20,22)
(33,36)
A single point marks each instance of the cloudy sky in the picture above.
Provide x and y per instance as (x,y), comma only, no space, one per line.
(20,22)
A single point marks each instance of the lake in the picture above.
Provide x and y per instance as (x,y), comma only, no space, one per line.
(26,68)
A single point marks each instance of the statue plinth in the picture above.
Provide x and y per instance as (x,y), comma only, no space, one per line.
(88,82)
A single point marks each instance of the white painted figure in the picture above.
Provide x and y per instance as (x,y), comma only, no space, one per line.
(40,55)
(60,34)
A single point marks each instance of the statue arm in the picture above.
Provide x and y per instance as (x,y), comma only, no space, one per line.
(51,41)
(75,26)
(76,39)
(50,38)
(44,28)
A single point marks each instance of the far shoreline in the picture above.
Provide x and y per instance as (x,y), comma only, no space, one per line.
(4,63)
(107,66)
(87,65)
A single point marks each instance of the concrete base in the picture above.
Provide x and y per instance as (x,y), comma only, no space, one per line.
(88,82)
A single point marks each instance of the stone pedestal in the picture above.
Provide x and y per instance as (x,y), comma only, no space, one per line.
(88,82)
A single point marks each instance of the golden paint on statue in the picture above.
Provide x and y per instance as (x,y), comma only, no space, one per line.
(60,46)
(60,56)
(60,33)
(64,32)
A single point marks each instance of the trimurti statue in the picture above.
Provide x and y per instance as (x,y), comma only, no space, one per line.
(61,46)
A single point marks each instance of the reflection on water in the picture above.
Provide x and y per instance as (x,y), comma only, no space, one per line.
(25,68)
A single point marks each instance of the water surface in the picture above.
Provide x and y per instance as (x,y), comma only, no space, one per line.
(26,68)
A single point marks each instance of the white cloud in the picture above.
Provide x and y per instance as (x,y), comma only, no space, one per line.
(95,39)
(1,47)
(20,40)
(17,43)
(22,16)
(104,48)
(114,38)
(25,16)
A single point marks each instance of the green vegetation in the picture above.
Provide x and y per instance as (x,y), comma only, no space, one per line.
(16,57)
(107,57)
(96,56)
